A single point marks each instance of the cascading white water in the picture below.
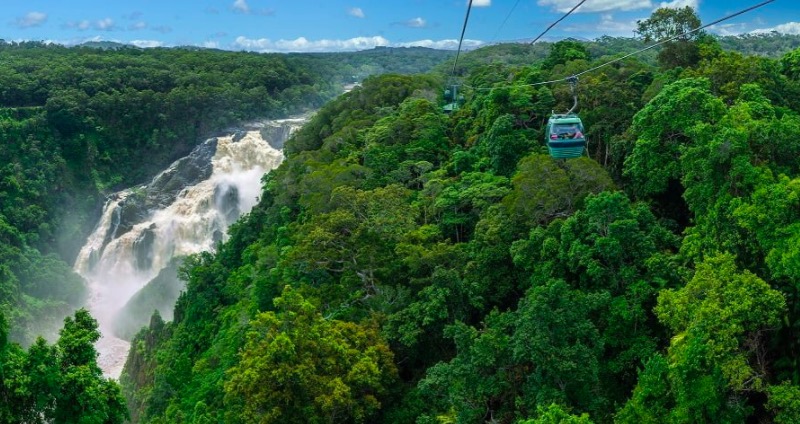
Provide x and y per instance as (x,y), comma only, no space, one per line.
(118,262)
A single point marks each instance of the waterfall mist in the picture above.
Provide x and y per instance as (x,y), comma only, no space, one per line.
(144,231)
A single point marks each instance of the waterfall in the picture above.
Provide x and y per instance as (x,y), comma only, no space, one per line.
(185,209)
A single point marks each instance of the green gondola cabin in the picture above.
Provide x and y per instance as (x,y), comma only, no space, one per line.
(564,136)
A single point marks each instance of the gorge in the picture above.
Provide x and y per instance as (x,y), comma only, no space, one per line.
(144,231)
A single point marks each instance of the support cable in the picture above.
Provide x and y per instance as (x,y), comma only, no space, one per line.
(556,22)
(666,40)
(461,40)
(510,12)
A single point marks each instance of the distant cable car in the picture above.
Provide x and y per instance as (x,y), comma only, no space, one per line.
(564,134)
(453,98)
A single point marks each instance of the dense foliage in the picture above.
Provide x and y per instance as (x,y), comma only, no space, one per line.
(77,123)
(408,266)
(59,383)
(773,44)
(404,265)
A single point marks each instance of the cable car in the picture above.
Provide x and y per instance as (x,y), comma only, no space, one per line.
(564,132)
(564,136)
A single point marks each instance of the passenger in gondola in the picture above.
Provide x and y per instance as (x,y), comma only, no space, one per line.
(566,132)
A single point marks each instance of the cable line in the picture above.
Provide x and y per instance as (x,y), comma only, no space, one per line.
(504,21)
(461,40)
(723,19)
(556,22)
(741,12)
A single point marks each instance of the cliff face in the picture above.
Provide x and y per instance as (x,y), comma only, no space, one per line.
(138,375)
(164,188)
(185,210)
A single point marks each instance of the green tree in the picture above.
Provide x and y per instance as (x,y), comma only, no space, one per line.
(416,133)
(298,367)
(662,127)
(355,240)
(565,51)
(9,401)
(666,23)
(555,414)
(716,357)
(725,164)
(790,64)
(60,383)
(479,383)
(84,396)
(506,146)
(620,252)
(545,189)
(506,368)
(784,400)
(555,318)
(456,204)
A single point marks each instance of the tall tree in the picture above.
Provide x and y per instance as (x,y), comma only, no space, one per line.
(564,51)
(298,367)
(716,363)
(790,64)
(84,396)
(60,383)
(666,23)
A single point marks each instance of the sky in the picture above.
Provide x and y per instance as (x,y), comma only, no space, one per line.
(346,25)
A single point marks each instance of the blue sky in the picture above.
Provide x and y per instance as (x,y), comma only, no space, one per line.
(334,25)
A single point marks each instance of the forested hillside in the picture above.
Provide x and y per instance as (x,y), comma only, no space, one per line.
(58,383)
(408,266)
(79,123)
(772,45)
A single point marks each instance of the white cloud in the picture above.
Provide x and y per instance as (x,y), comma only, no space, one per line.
(300,44)
(72,42)
(728,29)
(106,24)
(146,43)
(303,44)
(597,5)
(31,19)
(679,4)
(608,24)
(357,12)
(99,38)
(481,3)
(787,28)
(415,23)
(450,44)
(241,6)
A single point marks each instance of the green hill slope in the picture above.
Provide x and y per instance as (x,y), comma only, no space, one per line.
(404,265)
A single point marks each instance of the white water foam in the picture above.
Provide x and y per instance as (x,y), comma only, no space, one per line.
(186,226)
